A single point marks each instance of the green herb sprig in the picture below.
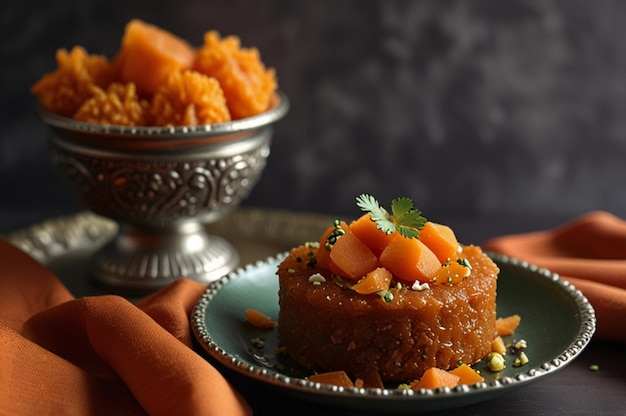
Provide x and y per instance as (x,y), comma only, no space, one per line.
(404,218)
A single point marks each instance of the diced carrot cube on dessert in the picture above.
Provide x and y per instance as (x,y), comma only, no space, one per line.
(323,251)
(351,258)
(149,54)
(451,273)
(375,281)
(410,260)
(441,240)
(368,232)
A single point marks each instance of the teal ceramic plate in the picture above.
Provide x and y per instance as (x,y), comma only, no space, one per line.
(557,323)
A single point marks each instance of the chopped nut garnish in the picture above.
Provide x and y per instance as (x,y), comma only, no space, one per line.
(520,345)
(317,279)
(521,360)
(258,342)
(496,361)
(420,286)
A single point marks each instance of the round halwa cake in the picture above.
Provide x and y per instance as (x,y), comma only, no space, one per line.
(326,326)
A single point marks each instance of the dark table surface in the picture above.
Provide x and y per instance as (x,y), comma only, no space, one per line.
(573,390)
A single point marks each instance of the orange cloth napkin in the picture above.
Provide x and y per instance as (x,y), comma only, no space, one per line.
(590,253)
(101,354)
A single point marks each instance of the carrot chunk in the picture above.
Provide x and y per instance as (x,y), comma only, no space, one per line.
(451,273)
(337,378)
(375,281)
(441,240)
(350,257)
(323,253)
(467,375)
(248,85)
(368,232)
(259,319)
(409,259)
(149,54)
(434,378)
(507,326)
(497,345)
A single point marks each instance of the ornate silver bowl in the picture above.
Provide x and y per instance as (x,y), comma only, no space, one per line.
(162,186)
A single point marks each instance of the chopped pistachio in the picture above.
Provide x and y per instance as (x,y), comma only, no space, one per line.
(258,342)
(521,360)
(386,295)
(464,262)
(496,361)
(520,345)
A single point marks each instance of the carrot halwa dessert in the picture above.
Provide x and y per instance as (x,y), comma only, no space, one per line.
(390,294)
(159,79)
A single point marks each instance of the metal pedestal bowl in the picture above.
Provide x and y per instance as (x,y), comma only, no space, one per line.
(162,185)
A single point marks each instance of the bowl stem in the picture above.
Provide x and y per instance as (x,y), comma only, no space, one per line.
(143,259)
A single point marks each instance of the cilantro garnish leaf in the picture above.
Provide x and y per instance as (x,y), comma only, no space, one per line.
(379,214)
(404,218)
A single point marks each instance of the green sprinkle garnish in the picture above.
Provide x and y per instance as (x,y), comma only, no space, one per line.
(404,217)
(464,262)
(386,295)
(594,367)
(333,235)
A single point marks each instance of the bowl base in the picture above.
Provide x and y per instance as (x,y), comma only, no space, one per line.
(141,260)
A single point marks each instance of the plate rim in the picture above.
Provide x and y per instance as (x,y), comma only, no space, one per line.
(276,378)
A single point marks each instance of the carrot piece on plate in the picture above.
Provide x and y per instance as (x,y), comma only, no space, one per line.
(337,378)
(467,375)
(497,345)
(434,378)
(507,326)
(259,319)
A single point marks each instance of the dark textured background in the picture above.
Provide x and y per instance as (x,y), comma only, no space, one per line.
(472,108)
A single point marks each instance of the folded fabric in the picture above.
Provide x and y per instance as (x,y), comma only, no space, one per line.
(590,253)
(101,354)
